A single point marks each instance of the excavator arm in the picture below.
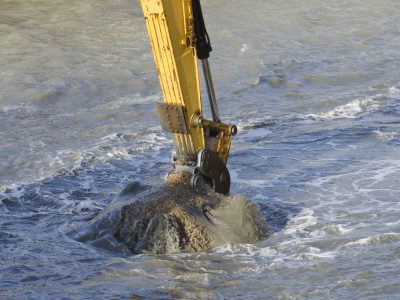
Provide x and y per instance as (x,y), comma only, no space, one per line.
(179,40)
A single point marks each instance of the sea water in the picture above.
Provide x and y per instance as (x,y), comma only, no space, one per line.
(315,91)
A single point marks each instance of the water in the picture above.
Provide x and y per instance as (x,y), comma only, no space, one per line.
(315,90)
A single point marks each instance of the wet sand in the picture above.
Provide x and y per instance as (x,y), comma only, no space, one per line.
(176,218)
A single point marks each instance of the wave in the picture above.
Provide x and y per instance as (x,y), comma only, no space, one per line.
(18,108)
(394,92)
(349,110)
(386,136)
(129,146)
(379,239)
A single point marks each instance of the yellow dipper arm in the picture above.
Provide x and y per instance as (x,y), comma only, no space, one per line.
(169,24)
(202,146)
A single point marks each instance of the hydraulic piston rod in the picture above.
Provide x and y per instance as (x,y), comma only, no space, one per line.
(210,90)
(203,49)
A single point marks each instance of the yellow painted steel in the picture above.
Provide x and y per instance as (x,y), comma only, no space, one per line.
(169,24)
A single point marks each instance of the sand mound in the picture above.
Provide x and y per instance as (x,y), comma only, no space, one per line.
(173,218)
(177,218)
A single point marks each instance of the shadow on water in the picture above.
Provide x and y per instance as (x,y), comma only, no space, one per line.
(278,213)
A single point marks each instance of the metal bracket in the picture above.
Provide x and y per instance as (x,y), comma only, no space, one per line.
(214,171)
(172,118)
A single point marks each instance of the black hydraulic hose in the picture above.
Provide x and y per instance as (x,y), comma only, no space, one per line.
(203,44)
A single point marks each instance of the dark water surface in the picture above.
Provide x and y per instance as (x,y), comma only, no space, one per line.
(315,89)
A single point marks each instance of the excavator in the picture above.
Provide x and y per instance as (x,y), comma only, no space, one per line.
(179,41)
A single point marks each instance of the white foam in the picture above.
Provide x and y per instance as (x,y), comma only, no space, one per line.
(386,136)
(348,110)
(376,239)
(394,92)
(244,249)
(14,191)
(85,205)
(251,122)
(396,223)
(387,169)
(18,107)
(314,253)
(110,148)
(244,48)
(335,229)
(298,225)
(132,99)
(250,182)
